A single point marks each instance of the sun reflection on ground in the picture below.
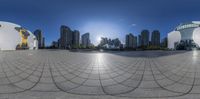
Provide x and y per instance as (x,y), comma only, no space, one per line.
(99,55)
(194,56)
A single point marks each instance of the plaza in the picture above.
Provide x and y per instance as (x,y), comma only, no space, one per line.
(62,74)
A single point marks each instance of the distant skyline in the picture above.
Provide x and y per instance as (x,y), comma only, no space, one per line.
(101,18)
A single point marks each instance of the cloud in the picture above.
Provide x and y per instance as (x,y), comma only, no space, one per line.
(133,25)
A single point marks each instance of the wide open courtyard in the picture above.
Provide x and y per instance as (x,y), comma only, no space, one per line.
(60,74)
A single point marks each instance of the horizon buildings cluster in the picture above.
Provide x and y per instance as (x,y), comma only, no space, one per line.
(107,43)
(70,39)
(144,40)
(184,37)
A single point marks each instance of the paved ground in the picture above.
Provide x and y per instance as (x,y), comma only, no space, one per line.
(59,74)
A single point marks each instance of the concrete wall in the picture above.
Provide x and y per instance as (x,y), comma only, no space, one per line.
(173,37)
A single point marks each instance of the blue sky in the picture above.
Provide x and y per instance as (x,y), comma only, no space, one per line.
(110,18)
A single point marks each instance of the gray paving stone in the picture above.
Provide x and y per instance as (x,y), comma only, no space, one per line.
(46,74)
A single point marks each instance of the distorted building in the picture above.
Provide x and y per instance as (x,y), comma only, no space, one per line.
(58,43)
(155,38)
(65,37)
(135,42)
(144,38)
(43,42)
(85,40)
(68,38)
(15,37)
(164,42)
(54,44)
(116,42)
(38,34)
(106,43)
(131,41)
(139,40)
(104,40)
(186,36)
(76,39)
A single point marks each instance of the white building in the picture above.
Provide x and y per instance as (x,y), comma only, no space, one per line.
(13,36)
(185,37)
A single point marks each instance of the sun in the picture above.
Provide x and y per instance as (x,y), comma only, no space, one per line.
(98,39)
(101,28)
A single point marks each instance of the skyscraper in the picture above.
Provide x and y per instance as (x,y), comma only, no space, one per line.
(38,34)
(85,38)
(59,43)
(116,42)
(164,42)
(43,42)
(135,42)
(54,44)
(65,37)
(76,39)
(69,38)
(139,40)
(145,38)
(131,41)
(155,38)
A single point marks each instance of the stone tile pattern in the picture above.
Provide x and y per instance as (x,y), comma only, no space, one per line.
(148,74)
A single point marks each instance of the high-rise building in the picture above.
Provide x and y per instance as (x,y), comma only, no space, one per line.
(139,40)
(59,43)
(38,34)
(54,44)
(155,38)
(69,39)
(65,37)
(131,41)
(76,39)
(43,42)
(145,38)
(85,38)
(104,40)
(116,42)
(164,42)
(135,42)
